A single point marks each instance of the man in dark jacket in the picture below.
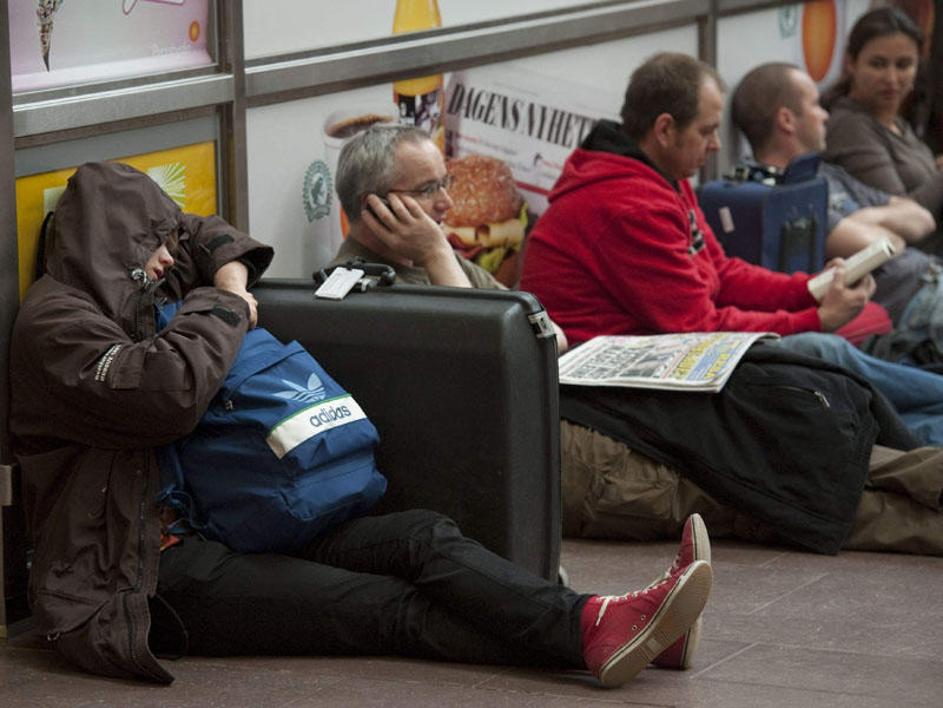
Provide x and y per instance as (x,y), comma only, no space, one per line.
(96,388)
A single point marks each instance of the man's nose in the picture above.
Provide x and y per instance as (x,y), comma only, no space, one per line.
(713,143)
(444,202)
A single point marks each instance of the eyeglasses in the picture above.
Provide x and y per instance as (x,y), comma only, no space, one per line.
(428,190)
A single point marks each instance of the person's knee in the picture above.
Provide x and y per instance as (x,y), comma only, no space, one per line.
(829,347)
(429,524)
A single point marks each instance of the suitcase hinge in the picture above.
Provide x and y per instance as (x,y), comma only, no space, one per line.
(6,485)
(543,328)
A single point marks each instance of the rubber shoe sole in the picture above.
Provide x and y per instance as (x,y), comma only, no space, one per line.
(702,542)
(682,656)
(681,608)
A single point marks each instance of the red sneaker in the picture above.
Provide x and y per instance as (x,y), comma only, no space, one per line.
(622,634)
(695,545)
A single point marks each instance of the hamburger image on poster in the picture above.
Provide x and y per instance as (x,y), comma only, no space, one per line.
(488,219)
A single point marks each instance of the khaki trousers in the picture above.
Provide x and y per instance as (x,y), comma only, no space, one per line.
(611,491)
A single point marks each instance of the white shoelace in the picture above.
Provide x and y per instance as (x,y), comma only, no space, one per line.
(606,599)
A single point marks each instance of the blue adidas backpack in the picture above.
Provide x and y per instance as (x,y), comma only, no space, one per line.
(281,454)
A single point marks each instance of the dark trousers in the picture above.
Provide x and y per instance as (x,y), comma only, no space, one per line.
(407,584)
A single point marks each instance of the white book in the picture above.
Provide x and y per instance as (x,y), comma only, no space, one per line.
(856,267)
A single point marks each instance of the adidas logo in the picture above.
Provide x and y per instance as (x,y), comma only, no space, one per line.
(311,393)
(311,421)
(327,414)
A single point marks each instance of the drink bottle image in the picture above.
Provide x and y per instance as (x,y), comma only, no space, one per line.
(420,101)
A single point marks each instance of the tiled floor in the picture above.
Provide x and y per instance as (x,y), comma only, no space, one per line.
(782,629)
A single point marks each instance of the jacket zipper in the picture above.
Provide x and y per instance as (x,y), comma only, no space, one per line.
(823,399)
(143,309)
(142,512)
(144,324)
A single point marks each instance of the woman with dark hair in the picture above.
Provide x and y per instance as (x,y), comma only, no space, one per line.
(866,134)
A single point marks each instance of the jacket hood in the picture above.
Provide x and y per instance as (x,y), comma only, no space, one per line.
(108,222)
(602,156)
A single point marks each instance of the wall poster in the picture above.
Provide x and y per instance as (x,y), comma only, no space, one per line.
(187,174)
(67,42)
(518,121)
(519,125)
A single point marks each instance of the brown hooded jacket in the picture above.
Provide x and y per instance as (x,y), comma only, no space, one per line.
(95,389)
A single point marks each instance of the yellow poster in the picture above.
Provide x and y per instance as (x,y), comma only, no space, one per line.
(187,174)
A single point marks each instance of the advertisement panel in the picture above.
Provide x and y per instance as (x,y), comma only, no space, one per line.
(68,42)
(292,151)
(810,35)
(284,26)
(293,147)
(186,173)
(526,124)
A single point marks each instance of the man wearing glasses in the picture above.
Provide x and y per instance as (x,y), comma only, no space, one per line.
(393,186)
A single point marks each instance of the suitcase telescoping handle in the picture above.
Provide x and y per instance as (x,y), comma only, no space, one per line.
(374,274)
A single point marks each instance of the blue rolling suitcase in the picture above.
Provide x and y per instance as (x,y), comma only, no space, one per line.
(462,386)
(778,220)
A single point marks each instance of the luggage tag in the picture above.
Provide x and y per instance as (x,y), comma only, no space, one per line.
(340,282)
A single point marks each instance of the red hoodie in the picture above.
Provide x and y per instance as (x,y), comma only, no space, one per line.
(615,253)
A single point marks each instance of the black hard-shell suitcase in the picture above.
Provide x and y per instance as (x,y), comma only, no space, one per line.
(462,385)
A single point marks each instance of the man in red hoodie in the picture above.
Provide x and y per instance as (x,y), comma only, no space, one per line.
(624,247)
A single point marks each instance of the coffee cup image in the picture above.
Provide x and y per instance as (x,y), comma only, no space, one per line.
(320,200)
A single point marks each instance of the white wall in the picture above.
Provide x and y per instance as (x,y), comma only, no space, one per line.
(285,26)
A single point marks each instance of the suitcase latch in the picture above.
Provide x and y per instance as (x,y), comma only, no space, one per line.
(540,321)
(6,485)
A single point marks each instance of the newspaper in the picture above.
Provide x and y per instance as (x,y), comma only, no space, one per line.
(696,361)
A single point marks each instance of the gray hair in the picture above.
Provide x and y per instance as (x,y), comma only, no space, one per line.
(366,164)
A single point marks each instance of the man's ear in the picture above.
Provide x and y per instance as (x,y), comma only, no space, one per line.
(663,130)
(785,120)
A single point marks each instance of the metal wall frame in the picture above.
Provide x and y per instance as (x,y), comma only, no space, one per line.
(326,71)
(230,88)
(9,299)
(235,85)
(46,115)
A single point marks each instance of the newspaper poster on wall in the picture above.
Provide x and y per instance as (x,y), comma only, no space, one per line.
(695,361)
(508,132)
(530,121)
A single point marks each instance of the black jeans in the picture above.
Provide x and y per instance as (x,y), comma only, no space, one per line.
(406,583)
